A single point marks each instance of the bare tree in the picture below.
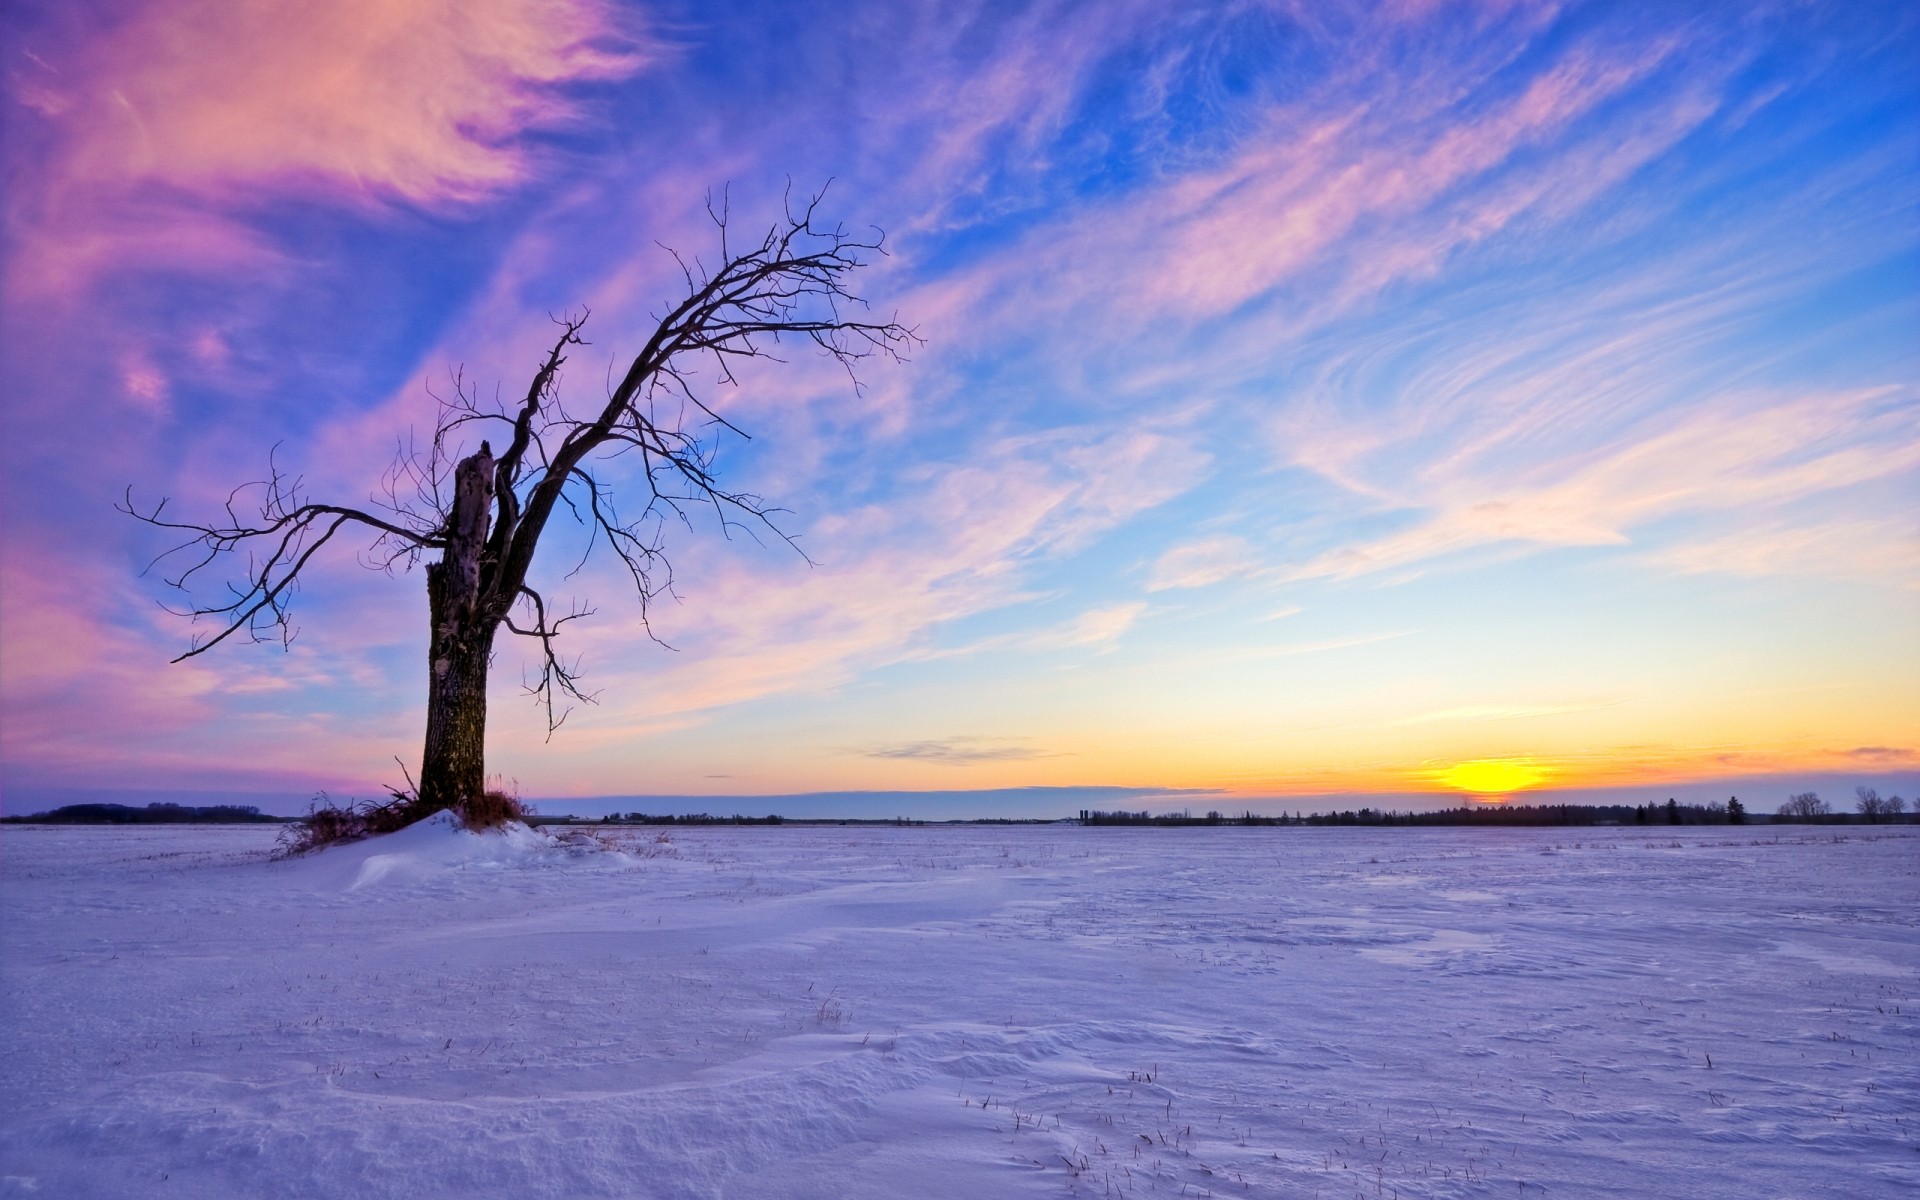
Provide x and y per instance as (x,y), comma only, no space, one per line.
(483,514)
(1869,803)
(1804,806)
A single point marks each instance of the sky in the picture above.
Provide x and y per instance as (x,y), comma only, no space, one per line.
(1316,400)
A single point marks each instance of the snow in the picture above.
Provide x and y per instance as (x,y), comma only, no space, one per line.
(832,1012)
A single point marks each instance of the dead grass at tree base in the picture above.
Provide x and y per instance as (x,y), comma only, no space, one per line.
(330,824)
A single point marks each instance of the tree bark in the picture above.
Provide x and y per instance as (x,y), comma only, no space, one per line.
(453,764)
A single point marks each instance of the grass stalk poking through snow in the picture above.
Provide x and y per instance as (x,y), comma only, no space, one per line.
(329,824)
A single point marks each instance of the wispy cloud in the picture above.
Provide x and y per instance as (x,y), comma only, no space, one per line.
(1500,712)
(1205,561)
(89,694)
(1744,452)
(1356,189)
(960,751)
(957,543)
(1885,549)
(1884,755)
(1096,629)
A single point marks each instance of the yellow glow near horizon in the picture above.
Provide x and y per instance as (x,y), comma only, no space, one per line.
(1494,776)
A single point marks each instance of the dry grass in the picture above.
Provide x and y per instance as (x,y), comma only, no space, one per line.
(494,808)
(330,824)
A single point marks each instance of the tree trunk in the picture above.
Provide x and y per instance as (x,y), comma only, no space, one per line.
(453,766)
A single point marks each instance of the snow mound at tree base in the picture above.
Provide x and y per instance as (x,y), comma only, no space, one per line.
(440,844)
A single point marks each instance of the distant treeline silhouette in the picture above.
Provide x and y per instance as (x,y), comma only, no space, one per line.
(640,818)
(1670,813)
(152,814)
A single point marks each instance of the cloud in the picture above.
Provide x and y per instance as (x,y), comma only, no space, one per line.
(1353,187)
(359,102)
(1883,755)
(956,541)
(1884,549)
(143,383)
(90,696)
(988,95)
(1290,200)
(960,751)
(1202,562)
(1738,453)
(1097,628)
(1500,712)
(420,100)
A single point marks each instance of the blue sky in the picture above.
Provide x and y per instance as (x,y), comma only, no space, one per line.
(1315,397)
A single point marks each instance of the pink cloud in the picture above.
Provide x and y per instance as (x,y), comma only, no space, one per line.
(1885,549)
(85,235)
(1097,629)
(361,101)
(75,685)
(1205,561)
(419,100)
(91,699)
(1311,187)
(144,384)
(1742,454)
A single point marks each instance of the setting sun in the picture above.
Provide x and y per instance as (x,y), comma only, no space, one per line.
(1494,776)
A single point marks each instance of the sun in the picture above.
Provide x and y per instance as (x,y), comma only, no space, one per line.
(1494,776)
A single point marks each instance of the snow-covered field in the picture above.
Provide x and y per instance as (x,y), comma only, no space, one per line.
(963,1012)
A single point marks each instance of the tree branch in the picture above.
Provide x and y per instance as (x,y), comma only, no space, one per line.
(789,286)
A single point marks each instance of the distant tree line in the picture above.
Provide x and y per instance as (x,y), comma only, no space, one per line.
(1868,804)
(1094,816)
(1803,807)
(1483,814)
(152,814)
(640,818)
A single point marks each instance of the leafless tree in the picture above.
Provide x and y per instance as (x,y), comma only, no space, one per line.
(1804,806)
(481,515)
